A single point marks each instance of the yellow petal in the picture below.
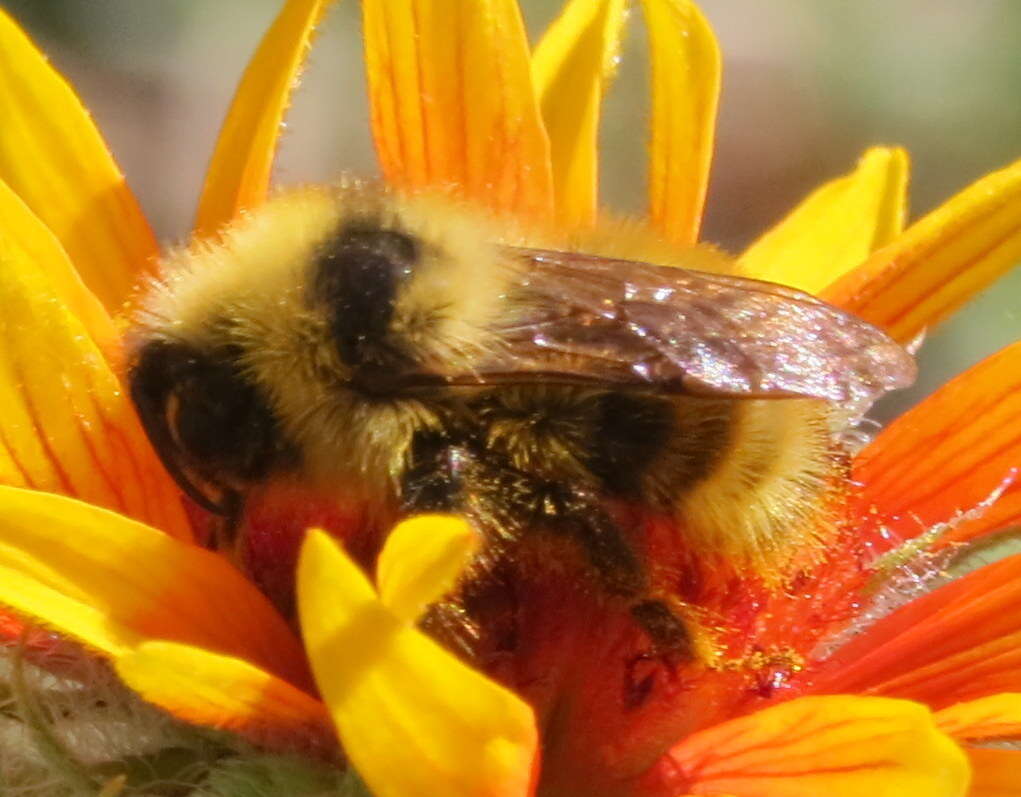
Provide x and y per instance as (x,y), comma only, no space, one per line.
(112,583)
(685,91)
(52,156)
(940,261)
(571,63)
(65,423)
(20,227)
(836,227)
(239,172)
(835,746)
(452,102)
(223,692)
(421,561)
(992,717)
(412,717)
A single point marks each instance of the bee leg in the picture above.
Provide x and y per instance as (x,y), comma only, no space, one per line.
(505,502)
(666,629)
(225,537)
(579,513)
(434,481)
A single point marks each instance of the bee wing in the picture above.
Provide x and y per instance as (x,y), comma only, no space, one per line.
(609,321)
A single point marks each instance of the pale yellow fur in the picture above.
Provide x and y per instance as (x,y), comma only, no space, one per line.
(256,277)
(767,485)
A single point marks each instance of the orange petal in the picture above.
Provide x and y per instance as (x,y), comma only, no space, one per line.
(994,772)
(989,666)
(836,227)
(940,261)
(950,453)
(821,745)
(21,228)
(571,63)
(685,91)
(239,172)
(958,642)
(993,717)
(222,692)
(412,717)
(452,102)
(52,156)
(112,583)
(65,424)
(421,562)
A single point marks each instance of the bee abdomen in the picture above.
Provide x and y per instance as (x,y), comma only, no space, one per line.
(765,490)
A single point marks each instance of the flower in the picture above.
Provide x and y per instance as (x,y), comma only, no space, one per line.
(842,679)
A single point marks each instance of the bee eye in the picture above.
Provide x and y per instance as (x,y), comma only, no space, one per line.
(211,427)
(358,274)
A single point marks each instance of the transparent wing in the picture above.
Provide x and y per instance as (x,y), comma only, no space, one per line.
(585,318)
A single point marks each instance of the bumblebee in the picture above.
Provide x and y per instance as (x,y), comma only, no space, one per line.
(409,354)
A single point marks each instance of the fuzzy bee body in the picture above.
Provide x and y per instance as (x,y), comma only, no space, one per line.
(413,357)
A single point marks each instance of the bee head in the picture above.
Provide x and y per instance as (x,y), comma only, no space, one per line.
(311,336)
(213,429)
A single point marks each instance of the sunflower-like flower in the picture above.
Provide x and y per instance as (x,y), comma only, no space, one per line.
(862,671)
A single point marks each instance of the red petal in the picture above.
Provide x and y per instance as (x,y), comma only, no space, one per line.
(959,642)
(994,773)
(950,453)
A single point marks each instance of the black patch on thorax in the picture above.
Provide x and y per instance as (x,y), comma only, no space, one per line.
(357,277)
(632,431)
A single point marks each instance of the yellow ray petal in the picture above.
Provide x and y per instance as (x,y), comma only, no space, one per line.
(223,692)
(992,717)
(20,227)
(52,156)
(836,227)
(412,718)
(940,261)
(571,63)
(685,91)
(65,424)
(452,102)
(837,746)
(421,561)
(111,583)
(995,772)
(239,172)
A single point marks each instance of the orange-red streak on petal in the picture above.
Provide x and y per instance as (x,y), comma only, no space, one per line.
(956,643)
(452,103)
(112,583)
(65,422)
(950,454)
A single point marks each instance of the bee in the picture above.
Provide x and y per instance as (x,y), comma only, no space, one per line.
(412,355)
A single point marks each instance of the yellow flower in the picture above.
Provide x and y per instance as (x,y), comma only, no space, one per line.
(94,542)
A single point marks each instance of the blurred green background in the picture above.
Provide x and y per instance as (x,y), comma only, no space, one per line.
(808,84)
